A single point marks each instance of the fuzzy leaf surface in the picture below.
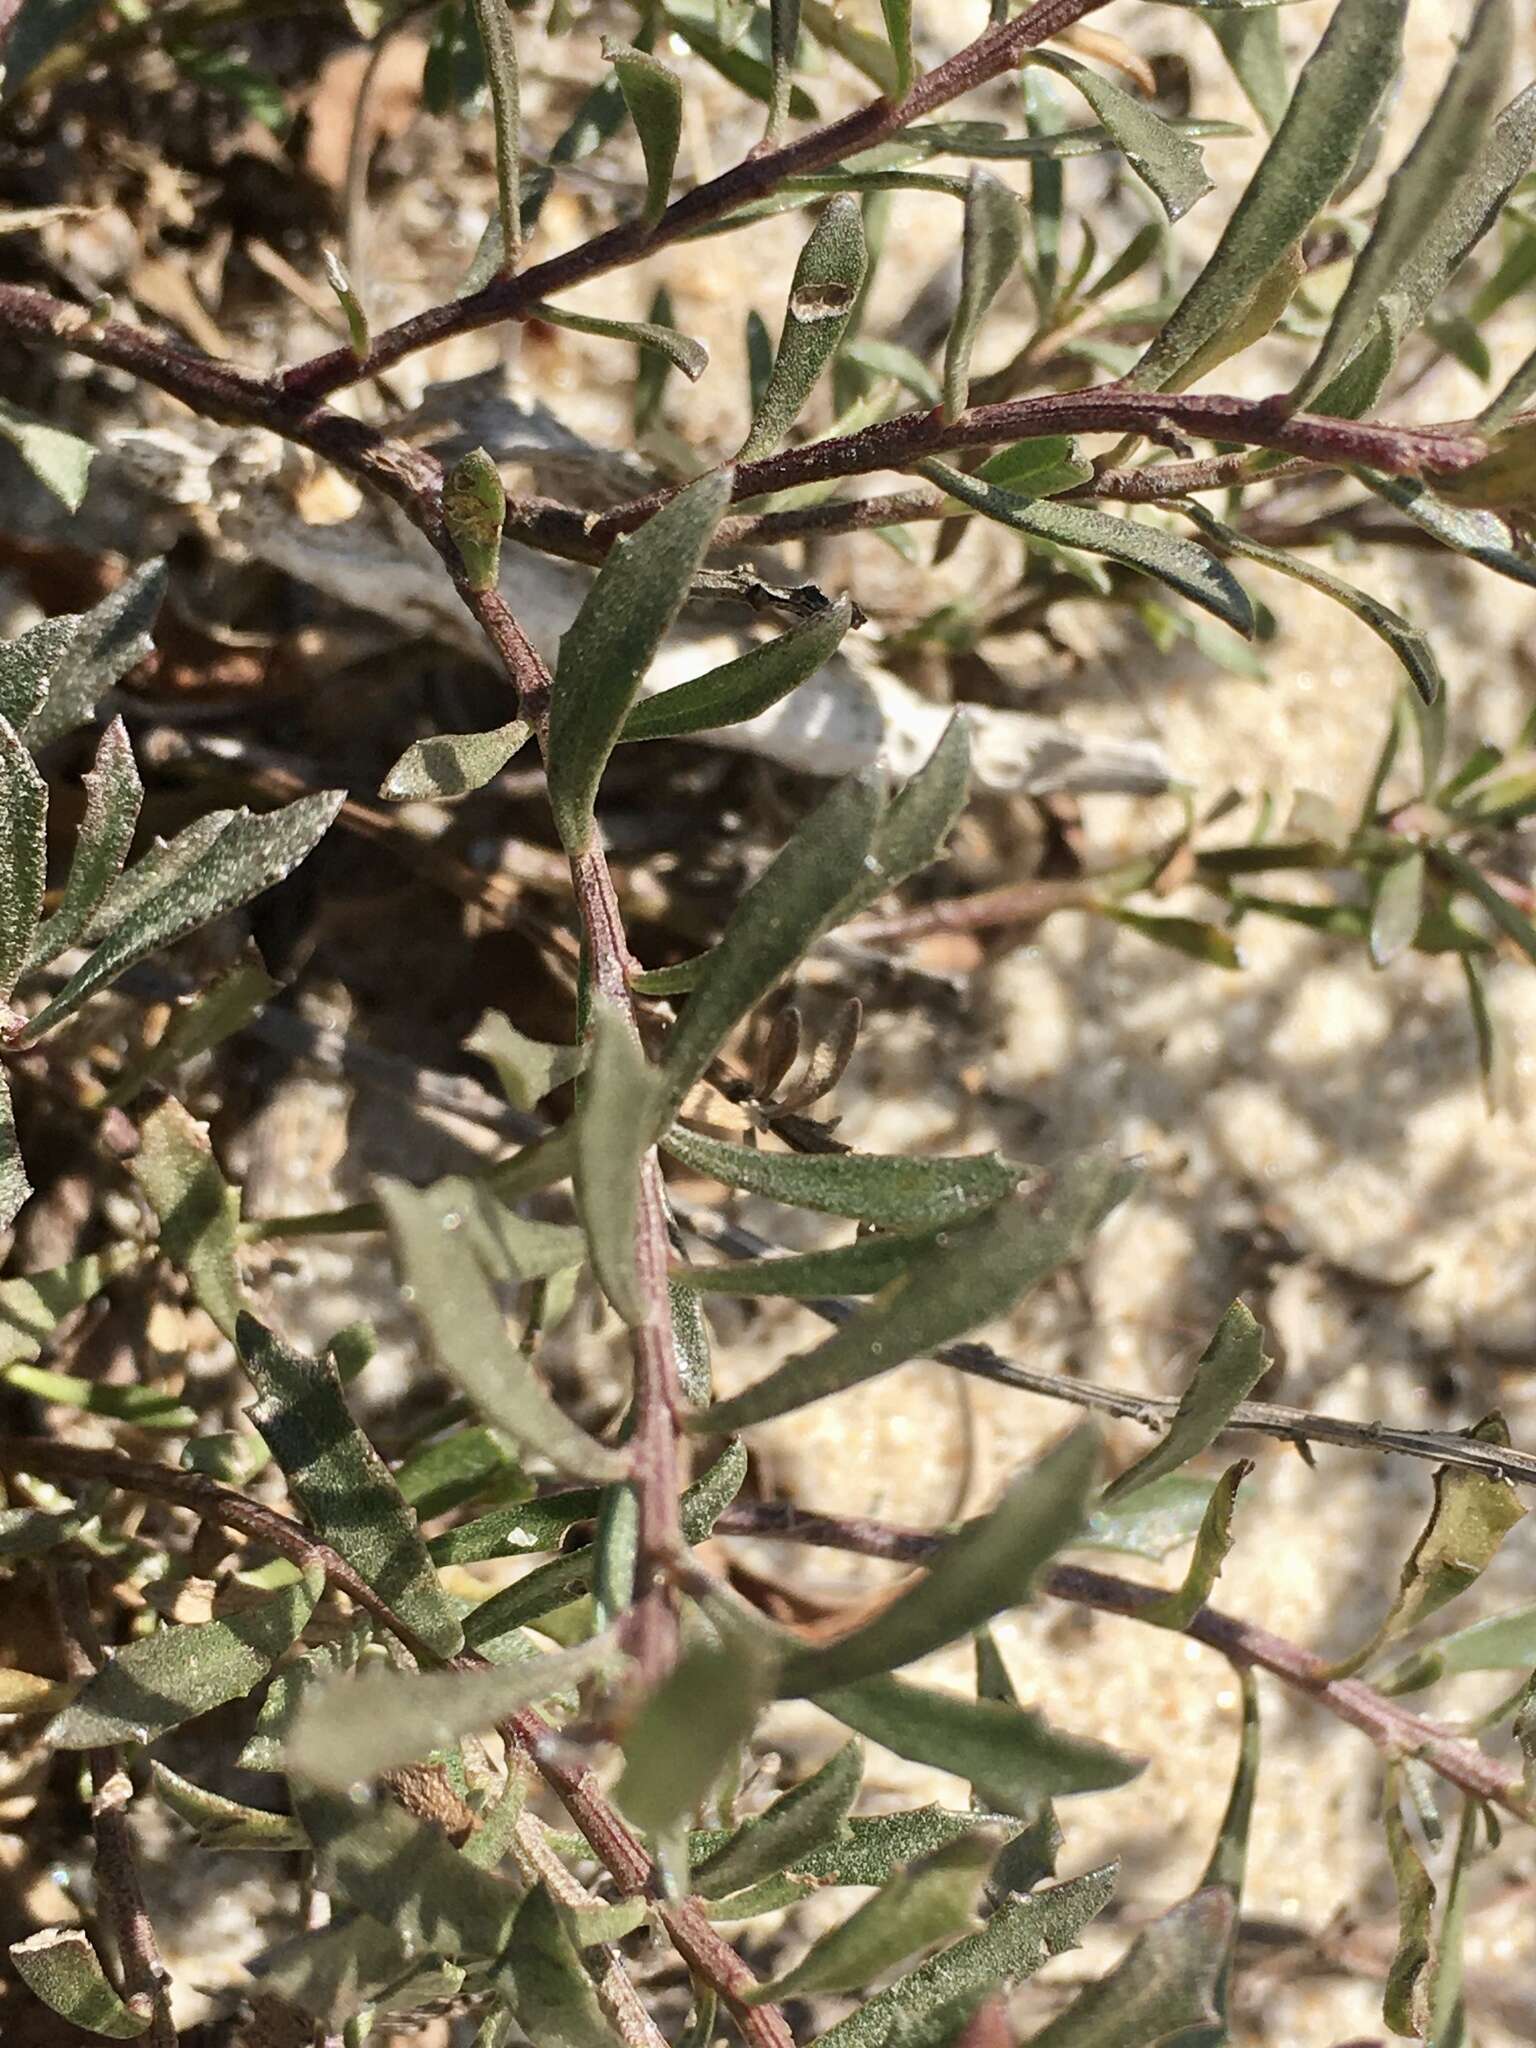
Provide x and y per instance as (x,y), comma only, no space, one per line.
(1227,1371)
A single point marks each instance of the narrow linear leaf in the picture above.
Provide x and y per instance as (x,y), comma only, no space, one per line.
(520,1530)
(1405,2005)
(59,460)
(60,1967)
(990,248)
(863,1267)
(1480,535)
(1228,1866)
(1406,641)
(917,820)
(1165,1985)
(445,765)
(452,1295)
(248,856)
(1178,1609)
(1178,563)
(197,1210)
(1019,1939)
(1448,2010)
(1011,1756)
(654,97)
(800,1821)
(633,600)
(1228,1370)
(1038,469)
(890,1194)
(352,1728)
(342,1484)
(617,1113)
(23,855)
(499,43)
(1510,920)
(690,1341)
(179,1672)
(159,865)
(221,1823)
(467,1464)
(746,687)
(741,59)
(784,34)
(263,1750)
(988,1567)
(1169,163)
(828,279)
(196,1026)
(107,641)
(1251,43)
(687,1731)
(113,794)
(1210,944)
(1397,910)
(981,1271)
(1423,188)
(680,350)
(898,29)
(1505,1642)
(1335,98)
(786,909)
(144,1407)
(542,1979)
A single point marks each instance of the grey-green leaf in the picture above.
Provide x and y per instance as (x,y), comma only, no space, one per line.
(222,1823)
(917,820)
(453,1297)
(1178,1609)
(680,350)
(804,1819)
(1251,43)
(1331,108)
(449,764)
(1183,567)
(1012,1757)
(988,1567)
(920,1194)
(113,794)
(342,1484)
(27,662)
(1019,1939)
(786,909)
(60,1967)
(746,687)
(14,1185)
(179,1672)
(1164,1986)
(898,27)
(59,460)
(1504,1642)
(494,19)
(984,1268)
(1405,640)
(1398,908)
(248,856)
(654,97)
(822,296)
(687,1731)
(1424,187)
(197,1210)
(618,1110)
(1228,1370)
(1153,1521)
(990,248)
(528,1069)
(1405,2005)
(32,1305)
(107,641)
(1169,163)
(23,855)
(608,647)
(863,1267)
(543,1980)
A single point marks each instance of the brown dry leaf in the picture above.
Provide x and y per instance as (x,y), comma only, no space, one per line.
(163,287)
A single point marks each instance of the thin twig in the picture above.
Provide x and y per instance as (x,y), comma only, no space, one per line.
(1391,1727)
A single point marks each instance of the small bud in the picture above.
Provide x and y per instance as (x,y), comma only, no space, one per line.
(357,320)
(474,505)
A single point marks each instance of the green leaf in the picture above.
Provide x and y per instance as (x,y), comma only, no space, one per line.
(406,1874)
(1424,187)
(1331,109)
(1472,1514)
(1405,2005)
(739,60)
(468,1464)
(618,1108)
(342,1484)
(1165,1985)
(1228,1864)
(990,250)
(263,1749)
(23,856)
(1012,1757)
(197,1210)
(60,1967)
(1478,534)
(494,21)
(113,794)
(1250,41)
(1448,2012)
(1228,1370)
(1210,944)
(636,595)
(743,688)
(1168,162)
(1398,909)
(15,1188)
(1178,563)
(690,1341)
(60,461)
(452,1295)
(1038,469)
(822,296)
(475,510)
(527,1069)
(654,97)
(918,819)
(107,641)
(976,1271)
(335,1972)
(1019,1939)
(889,1194)
(784,912)
(248,856)
(520,1530)
(222,1009)
(144,1407)
(784,32)
(931,1901)
(221,1823)
(687,1732)
(1178,1609)
(445,765)
(349,1729)
(988,1567)
(863,1267)
(179,1672)
(1151,1522)
(1504,1642)
(652,370)
(680,350)
(1405,640)
(806,1818)
(27,662)
(898,27)
(1504,914)
(542,1979)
